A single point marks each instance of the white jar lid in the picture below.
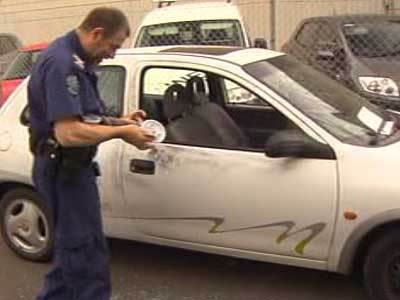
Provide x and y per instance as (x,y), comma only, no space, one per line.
(156,128)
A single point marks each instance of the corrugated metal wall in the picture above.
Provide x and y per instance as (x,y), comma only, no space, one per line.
(43,20)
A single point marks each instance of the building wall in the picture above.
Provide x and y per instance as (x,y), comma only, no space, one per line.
(43,20)
(395,6)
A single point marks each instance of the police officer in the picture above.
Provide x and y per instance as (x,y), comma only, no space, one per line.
(66,125)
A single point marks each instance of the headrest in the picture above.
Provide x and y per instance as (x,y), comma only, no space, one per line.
(196,91)
(174,104)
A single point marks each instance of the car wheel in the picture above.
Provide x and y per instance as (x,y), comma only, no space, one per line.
(26,224)
(382,268)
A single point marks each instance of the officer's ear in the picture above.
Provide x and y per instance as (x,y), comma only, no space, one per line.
(97,34)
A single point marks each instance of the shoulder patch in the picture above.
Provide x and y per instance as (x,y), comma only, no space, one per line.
(72,85)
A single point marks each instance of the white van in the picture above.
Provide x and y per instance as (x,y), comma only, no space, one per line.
(198,23)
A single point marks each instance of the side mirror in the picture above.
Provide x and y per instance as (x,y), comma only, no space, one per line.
(261,43)
(325,54)
(295,143)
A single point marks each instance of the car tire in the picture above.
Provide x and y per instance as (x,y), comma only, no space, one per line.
(382,268)
(26,224)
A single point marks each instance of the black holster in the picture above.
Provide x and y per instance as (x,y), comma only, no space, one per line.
(69,160)
(73,159)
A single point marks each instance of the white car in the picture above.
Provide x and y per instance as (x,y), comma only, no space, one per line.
(304,173)
(201,23)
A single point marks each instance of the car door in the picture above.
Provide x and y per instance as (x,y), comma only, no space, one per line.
(224,196)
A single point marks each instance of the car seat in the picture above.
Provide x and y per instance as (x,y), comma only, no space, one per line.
(228,132)
(182,126)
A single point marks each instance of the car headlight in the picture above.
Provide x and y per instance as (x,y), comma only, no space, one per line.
(379,85)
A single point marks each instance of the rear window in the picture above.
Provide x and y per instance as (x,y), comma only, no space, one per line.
(22,65)
(206,32)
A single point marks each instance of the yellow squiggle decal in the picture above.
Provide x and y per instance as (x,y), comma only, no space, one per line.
(315,229)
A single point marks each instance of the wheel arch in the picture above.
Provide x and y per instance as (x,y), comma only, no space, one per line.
(7,186)
(356,246)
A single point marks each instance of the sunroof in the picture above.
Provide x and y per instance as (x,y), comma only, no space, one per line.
(204,50)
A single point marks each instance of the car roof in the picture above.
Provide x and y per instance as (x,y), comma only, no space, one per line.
(354,18)
(35,47)
(236,55)
(183,12)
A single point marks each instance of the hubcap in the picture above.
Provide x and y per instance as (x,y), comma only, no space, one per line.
(26,226)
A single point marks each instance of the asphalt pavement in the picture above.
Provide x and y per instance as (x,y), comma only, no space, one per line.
(148,272)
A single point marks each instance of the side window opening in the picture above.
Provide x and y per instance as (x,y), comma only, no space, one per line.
(111,84)
(155,84)
(306,35)
(207,110)
(255,116)
(237,95)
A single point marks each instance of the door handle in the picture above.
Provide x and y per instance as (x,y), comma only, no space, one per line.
(141,166)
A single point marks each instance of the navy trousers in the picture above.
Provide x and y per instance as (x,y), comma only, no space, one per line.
(80,268)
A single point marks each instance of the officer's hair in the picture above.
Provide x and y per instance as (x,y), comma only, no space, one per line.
(109,18)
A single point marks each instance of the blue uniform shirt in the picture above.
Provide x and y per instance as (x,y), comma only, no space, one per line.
(62,84)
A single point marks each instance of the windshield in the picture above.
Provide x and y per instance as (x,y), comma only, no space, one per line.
(335,108)
(373,39)
(22,65)
(206,32)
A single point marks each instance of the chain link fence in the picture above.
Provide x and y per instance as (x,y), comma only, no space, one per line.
(9,43)
(207,32)
(360,51)
(356,42)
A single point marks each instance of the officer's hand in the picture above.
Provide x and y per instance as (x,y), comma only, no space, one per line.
(138,137)
(137,116)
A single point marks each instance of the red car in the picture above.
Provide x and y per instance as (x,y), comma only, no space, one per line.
(19,69)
